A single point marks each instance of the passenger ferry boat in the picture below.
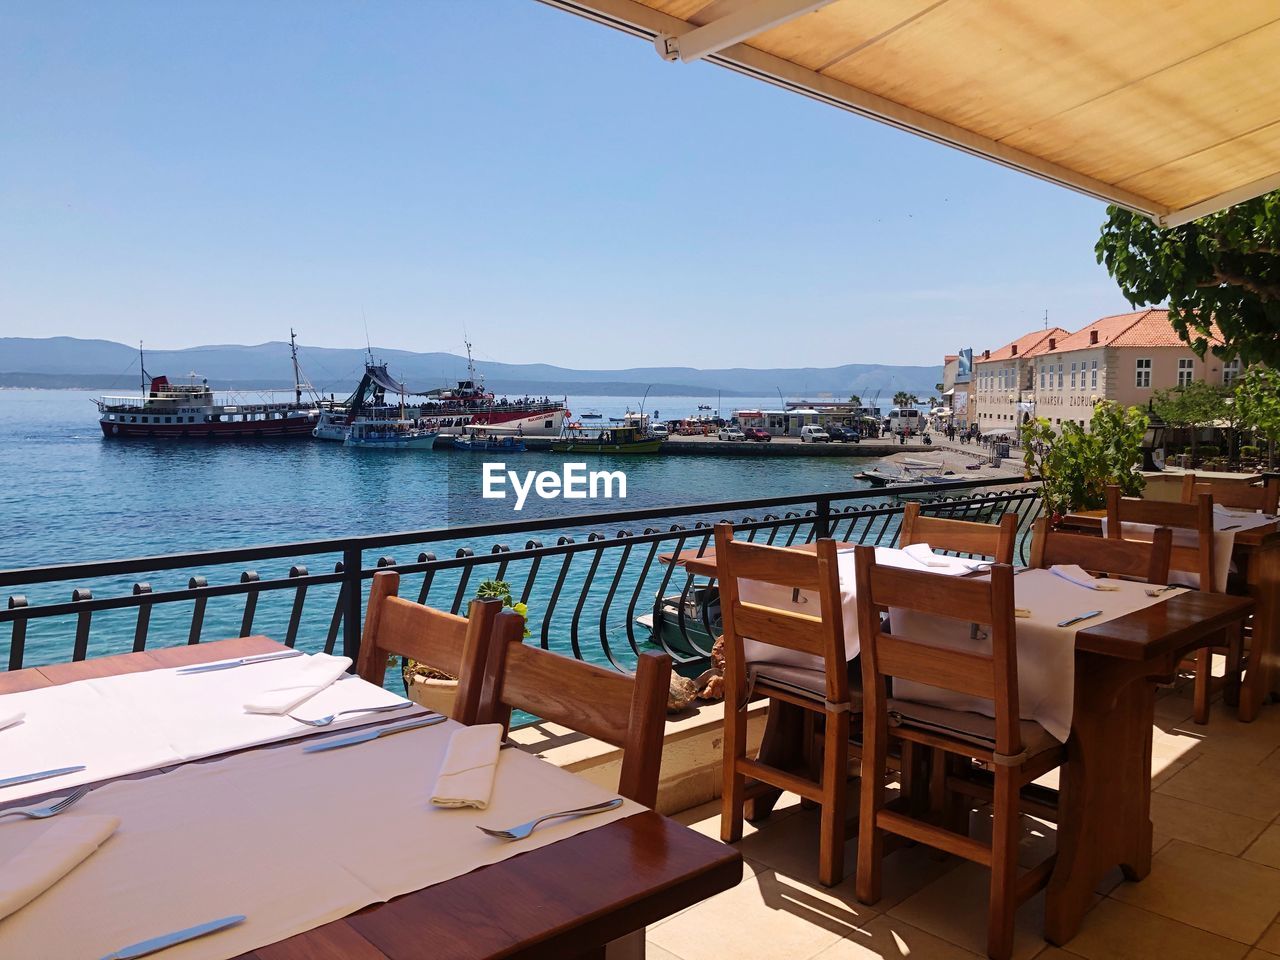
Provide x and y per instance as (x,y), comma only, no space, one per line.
(373,434)
(190,411)
(448,410)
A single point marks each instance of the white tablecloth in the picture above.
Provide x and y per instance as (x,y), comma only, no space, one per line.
(138,721)
(1046,652)
(1224,542)
(784,598)
(291,840)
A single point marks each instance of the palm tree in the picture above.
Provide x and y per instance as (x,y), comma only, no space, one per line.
(904,399)
(855,400)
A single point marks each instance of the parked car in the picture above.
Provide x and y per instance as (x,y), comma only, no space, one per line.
(757,433)
(842,434)
(814,434)
(659,430)
(730,433)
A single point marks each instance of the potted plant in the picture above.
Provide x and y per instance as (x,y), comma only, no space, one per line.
(1076,466)
(435,689)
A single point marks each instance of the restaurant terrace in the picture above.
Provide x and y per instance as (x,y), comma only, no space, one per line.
(854,724)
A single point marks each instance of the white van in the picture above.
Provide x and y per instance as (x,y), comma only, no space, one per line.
(905,418)
(814,434)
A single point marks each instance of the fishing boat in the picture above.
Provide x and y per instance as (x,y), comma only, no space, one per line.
(590,415)
(682,621)
(190,411)
(488,440)
(400,434)
(607,440)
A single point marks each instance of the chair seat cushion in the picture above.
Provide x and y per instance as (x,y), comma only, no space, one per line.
(964,725)
(807,683)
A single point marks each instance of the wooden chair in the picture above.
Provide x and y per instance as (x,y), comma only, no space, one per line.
(1131,559)
(960,536)
(1017,751)
(1197,559)
(1263,496)
(457,645)
(823,692)
(622,710)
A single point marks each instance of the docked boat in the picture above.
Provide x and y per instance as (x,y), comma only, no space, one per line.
(448,410)
(607,440)
(190,411)
(488,440)
(373,434)
(686,623)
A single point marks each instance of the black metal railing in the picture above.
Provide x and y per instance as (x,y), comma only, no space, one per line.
(599,587)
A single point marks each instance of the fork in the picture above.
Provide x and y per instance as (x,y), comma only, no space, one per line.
(524,829)
(41,813)
(325,721)
(1162,590)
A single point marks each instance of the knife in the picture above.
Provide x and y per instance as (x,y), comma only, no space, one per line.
(42,775)
(1084,616)
(145,947)
(373,734)
(242,662)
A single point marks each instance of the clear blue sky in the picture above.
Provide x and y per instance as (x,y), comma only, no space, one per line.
(202,172)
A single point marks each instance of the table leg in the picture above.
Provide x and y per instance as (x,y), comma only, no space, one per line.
(1105,788)
(1264,655)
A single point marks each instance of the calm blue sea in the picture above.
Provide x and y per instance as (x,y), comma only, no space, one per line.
(68,495)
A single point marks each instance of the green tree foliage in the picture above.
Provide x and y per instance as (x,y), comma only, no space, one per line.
(1258,404)
(1192,407)
(1077,467)
(855,399)
(904,399)
(1224,267)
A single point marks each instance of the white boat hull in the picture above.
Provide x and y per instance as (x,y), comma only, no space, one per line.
(420,442)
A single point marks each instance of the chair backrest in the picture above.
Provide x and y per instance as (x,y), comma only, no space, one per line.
(1134,559)
(1197,516)
(820,634)
(995,540)
(1263,496)
(459,646)
(992,676)
(622,710)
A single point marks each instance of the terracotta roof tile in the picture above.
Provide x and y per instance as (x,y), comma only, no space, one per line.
(1026,344)
(1142,328)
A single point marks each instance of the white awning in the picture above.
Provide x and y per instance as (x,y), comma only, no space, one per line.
(1172,110)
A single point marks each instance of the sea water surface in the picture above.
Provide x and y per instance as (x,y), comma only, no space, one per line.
(68,495)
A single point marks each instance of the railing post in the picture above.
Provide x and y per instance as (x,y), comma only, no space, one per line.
(18,639)
(822,519)
(352,602)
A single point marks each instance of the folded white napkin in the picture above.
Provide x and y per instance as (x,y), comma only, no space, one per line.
(923,553)
(309,676)
(9,719)
(1079,576)
(1232,512)
(62,847)
(466,776)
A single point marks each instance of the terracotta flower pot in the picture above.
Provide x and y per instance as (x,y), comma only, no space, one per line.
(434,694)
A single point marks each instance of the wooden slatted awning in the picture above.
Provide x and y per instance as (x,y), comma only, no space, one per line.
(1167,107)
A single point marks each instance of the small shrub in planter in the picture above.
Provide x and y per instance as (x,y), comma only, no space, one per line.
(1209,451)
(1249,452)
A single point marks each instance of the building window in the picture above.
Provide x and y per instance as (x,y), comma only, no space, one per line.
(1042,376)
(1142,372)
(1059,376)
(1093,375)
(1073,376)
(1186,371)
(1230,372)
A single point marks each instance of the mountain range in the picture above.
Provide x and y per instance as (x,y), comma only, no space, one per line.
(64,362)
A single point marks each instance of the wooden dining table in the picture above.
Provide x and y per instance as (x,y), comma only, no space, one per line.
(1104,792)
(1256,551)
(565,900)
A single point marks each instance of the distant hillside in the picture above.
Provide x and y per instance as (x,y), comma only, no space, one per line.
(103,364)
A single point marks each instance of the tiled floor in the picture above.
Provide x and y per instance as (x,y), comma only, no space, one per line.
(1213,892)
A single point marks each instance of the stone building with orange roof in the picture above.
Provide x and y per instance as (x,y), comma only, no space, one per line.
(1125,358)
(1001,387)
